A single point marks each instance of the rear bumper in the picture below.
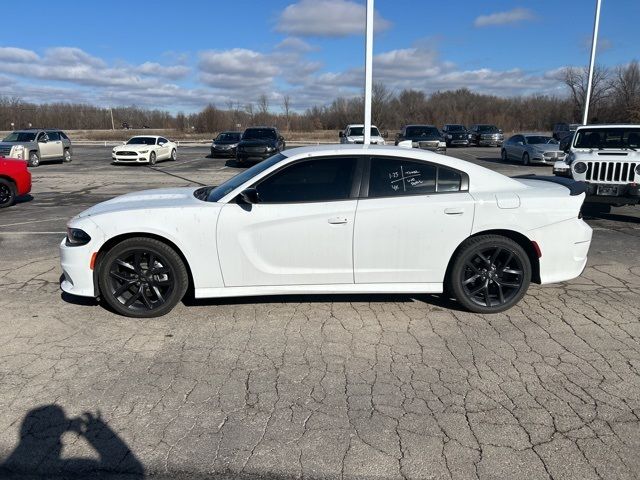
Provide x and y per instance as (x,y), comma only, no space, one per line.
(564,246)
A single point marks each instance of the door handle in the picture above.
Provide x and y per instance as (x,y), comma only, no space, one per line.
(337,220)
(454,211)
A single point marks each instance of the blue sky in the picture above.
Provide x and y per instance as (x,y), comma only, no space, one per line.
(182,55)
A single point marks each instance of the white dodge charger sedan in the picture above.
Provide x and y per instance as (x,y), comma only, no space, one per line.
(332,219)
(145,149)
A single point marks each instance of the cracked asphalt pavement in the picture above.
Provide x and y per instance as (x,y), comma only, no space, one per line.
(314,387)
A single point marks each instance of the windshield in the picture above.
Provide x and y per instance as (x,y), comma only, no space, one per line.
(600,138)
(359,132)
(142,141)
(424,131)
(539,140)
(228,137)
(259,133)
(20,137)
(221,190)
(488,129)
(455,128)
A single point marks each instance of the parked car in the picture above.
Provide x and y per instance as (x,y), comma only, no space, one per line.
(607,159)
(561,130)
(37,145)
(355,134)
(225,144)
(566,142)
(484,135)
(145,149)
(531,148)
(425,137)
(258,143)
(455,135)
(15,180)
(331,219)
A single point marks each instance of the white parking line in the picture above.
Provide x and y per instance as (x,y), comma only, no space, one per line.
(33,221)
(33,233)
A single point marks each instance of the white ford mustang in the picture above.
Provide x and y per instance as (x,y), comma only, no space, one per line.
(334,219)
(145,149)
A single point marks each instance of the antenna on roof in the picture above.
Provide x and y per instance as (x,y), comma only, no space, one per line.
(368,72)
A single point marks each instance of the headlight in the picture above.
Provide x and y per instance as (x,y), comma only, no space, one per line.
(415,144)
(470,135)
(350,139)
(77,237)
(580,167)
(17,152)
(638,169)
(270,149)
(143,151)
(449,136)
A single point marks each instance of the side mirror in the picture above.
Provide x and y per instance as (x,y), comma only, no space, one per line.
(250,195)
(43,139)
(340,134)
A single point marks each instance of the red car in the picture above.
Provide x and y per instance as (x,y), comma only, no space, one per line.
(15,180)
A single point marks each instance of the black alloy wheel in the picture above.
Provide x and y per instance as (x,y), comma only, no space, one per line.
(142,277)
(7,193)
(490,274)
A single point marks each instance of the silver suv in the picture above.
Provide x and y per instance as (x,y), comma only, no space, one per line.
(36,145)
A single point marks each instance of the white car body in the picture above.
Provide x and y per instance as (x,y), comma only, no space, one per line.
(141,153)
(397,244)
(348,137)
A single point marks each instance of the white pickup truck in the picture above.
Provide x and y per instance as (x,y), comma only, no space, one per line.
(607,159)
(355,134)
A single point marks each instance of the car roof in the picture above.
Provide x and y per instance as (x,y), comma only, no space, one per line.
(359,125)
(147,136)
(612,125)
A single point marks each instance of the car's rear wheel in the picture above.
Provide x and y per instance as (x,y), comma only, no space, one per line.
(34,159)
(525,159)
(490,274)
(152,158)
(142,278)
(67,155)
(174,155)
(503,155)
(7,193)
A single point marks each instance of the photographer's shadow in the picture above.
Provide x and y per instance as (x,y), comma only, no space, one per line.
(40,448)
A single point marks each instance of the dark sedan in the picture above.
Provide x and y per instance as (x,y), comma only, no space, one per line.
(258,143)
(225,144)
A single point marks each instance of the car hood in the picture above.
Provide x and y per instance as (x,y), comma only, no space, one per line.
(146,199)
(605,155)
(134,148)
(257,142)
(545,147)
(226,142)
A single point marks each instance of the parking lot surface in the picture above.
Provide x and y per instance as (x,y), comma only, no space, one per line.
(314,387)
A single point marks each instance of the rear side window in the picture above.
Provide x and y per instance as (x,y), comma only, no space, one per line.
(318,180)
(53,136)
(390,177)
(63,135)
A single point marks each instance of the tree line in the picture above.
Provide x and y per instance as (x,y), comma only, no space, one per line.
(615,98)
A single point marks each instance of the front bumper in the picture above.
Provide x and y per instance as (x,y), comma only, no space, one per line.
(244,156)
(220,152)
(539,158)
(485,142)
(141,158)
(613,193)
(457,142)
(76,271)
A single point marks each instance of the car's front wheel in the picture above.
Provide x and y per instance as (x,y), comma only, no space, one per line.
(503,155)
(7,193)
(142,277)
(152,158)
(34,159)
(174,155)
(490,274)
(525,159)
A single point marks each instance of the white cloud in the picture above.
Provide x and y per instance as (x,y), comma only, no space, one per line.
(295,44)
(17,55)
(236,68)
(327,18)
(504,18)
(166,71)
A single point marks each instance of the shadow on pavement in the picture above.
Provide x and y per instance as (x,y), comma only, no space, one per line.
(38,455)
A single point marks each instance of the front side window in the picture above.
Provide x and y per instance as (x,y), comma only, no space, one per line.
(390,177)
(317,180)
(162,140)
(42,137)
(53,136)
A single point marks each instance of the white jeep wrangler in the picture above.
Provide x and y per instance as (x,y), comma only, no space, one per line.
(607,159)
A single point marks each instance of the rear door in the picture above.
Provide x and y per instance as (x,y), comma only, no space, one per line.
(413,216)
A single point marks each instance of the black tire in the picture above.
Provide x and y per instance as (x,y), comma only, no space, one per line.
(7,193)
(490,274)
(34,159)
(152,158)
(134,288)
(503,155)
(174,155)
(67,155)
(525,159)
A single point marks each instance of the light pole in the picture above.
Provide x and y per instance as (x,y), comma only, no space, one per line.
(592,61)
(368,73)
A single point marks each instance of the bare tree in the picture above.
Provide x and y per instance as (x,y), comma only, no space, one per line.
(626,88)
(263,104)
(577,78)
(286,101)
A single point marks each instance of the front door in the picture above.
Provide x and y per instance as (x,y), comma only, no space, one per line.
(299,233)
(48,146)
(414,217)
